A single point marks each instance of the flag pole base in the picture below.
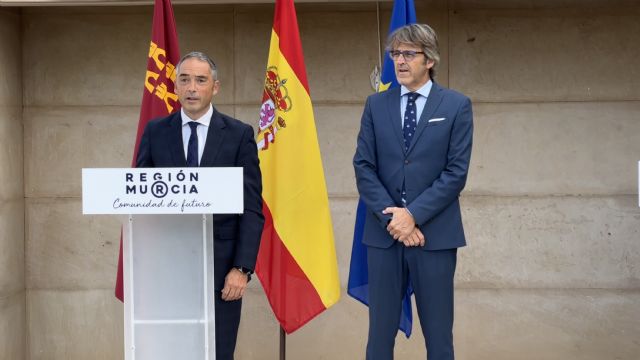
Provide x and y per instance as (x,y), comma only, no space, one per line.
(283,344)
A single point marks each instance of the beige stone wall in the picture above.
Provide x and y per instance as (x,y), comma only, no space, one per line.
(550,209)
(12,286)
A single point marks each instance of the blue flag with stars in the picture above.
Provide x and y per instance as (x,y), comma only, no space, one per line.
(404,13)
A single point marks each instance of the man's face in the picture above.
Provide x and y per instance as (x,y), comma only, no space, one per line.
(412,73)
(195,87)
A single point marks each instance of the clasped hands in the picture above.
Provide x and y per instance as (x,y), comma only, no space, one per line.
(403,227)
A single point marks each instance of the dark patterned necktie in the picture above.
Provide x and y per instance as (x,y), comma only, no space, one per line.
(192,147)
(409,130)
(410,119)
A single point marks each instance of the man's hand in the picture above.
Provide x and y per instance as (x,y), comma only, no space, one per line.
(234,285)
(416,238)
(402,223)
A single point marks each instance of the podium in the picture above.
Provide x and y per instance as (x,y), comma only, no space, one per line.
(167,252)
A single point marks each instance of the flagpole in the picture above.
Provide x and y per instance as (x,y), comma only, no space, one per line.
(283,344)
(379,46)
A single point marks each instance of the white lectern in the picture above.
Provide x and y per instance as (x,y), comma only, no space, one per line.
(168,252)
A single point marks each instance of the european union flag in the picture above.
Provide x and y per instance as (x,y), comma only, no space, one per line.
(404,13)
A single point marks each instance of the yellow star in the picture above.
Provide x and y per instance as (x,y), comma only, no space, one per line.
(383,87)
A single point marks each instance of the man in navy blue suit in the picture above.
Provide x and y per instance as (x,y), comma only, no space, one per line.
(411,164)
(199,135)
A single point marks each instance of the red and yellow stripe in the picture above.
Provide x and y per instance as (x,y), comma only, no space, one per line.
(297,261)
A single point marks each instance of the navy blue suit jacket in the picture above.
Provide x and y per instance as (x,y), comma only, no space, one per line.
(230,143)
(434,169)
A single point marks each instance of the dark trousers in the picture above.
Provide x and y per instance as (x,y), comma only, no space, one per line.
(227,322)
(227,312)
(431,275)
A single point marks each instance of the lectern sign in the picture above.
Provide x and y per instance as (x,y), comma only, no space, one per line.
(168,260)
(162,191)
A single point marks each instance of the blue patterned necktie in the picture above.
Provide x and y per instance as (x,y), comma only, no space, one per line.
(192,147)
(410,119)
(409,130)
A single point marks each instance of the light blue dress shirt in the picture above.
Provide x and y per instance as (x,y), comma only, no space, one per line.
(421,101)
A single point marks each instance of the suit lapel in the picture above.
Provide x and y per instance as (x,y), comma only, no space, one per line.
(215,136)
(393,104)
(433,101)
(175,140)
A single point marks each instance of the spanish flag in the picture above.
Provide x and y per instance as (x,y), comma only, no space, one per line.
(297,260)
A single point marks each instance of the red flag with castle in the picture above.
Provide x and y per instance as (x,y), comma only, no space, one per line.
(158,97)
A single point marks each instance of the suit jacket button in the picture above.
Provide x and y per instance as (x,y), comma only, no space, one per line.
(406,162)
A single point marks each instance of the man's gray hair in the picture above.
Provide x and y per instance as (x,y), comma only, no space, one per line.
(202,57)
(420,35)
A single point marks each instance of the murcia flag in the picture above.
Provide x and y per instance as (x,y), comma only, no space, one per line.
(158,96)
(297,261)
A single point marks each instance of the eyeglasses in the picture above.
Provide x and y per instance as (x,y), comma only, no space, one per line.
(407,54)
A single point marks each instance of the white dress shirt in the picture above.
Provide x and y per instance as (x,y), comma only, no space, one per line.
(203,129)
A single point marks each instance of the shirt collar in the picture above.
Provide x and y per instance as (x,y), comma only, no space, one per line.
(424,90)
(204,120)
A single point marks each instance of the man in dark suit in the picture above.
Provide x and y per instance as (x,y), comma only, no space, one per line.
(199,135)
(411,164)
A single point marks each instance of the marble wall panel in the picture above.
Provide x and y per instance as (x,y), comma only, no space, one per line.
(338,128)
(12,326)
(66,250)
(553,325)
(252,34)
(60,141)
(339,332)
(12,282)
(11,153)
(546,54)
(12,247)
(539,4)
(105,55)
(74,325)
(210,29)
(106,78)
(340,53)
(550,242)
(343,215)
(11,84)
(555,148)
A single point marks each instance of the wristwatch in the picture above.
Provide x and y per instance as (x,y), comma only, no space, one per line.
(244,271)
